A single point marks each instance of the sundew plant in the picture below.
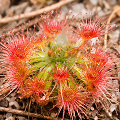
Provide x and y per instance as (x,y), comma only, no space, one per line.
(63,61)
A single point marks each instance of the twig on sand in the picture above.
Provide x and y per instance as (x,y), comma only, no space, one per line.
(35,13)
(107,112)
(23,113)
(108,22)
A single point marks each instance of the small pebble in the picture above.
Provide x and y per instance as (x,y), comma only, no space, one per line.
(28,9)
(92,108)
(64,11)
(50,2)
(113,2)
(94,2)
(96,118)
(53,115)
(77,8)
(21,118)
(4,5)
(115,36)
(100,11)
(113,107)
(8,115)
(14,105)
(10,118)
(4,103)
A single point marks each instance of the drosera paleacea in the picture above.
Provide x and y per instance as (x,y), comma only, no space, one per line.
(53,64)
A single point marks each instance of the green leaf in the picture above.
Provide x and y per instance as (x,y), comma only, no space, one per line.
(72,81)
(48,83)
(45,72)
(36,66)
(78,72)
(38,58)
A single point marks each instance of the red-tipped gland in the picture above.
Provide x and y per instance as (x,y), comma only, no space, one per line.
(99,58)
(39,39)
(38,86)
(51,53)
(88,32)
(18,74)
(58,49)
(68,95)
(52,28)
(72,100)
(39,93)
(95,80)
(32,88)
(18,49)
(61,75)
(93,76)
(91,29)
(75,50)
(68,53)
